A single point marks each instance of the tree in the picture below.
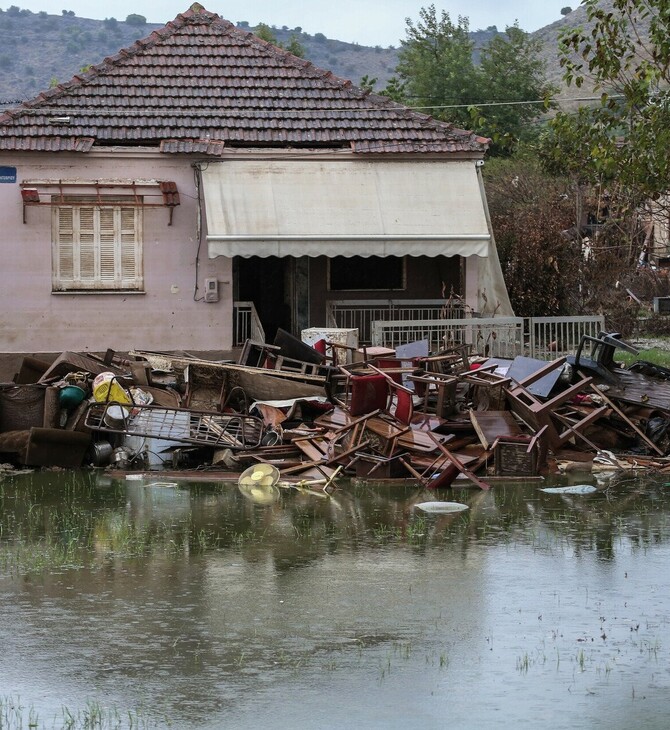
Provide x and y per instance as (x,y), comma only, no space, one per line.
(264,32)
(512,76)
(566,10)
(294,46)
(436,67)
(502,97)
(626,57)
(367,83)
(135,19)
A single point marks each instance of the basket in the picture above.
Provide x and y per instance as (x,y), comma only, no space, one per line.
(21,407)
(512,458)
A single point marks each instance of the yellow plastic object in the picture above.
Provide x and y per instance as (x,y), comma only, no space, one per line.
(258,484)
(106,390)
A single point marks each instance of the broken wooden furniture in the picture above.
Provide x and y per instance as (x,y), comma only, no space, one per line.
(360,393)
(520,455)
(538,414)
(491,425)
(488,388)
(437,391)
(257,354)
(450,361)
(441,471)
(392,419)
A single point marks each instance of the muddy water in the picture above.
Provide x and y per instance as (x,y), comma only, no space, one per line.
(130,602)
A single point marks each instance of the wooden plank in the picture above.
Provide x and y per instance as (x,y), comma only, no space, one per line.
(622,415)
(490,425)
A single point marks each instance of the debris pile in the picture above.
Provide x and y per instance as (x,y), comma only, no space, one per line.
(313,413)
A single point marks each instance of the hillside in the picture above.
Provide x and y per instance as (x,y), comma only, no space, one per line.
(549,39)
(39,49)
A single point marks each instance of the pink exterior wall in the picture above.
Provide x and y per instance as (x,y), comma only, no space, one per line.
(165,317)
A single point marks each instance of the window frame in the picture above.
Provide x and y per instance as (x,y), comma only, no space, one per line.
(107,244)
(351,261)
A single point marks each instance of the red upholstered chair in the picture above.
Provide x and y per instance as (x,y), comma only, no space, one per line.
(364,393)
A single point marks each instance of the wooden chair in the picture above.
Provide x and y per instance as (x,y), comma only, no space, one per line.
(438,392)
(363,392)
(537,414)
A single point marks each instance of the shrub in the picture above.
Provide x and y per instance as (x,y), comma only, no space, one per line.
(135,19)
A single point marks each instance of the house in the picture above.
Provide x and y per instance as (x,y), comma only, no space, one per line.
(203,166)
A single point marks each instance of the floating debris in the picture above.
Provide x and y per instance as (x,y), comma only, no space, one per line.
(576,489)
(442,508)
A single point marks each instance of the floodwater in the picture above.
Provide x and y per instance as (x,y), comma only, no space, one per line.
(140,603)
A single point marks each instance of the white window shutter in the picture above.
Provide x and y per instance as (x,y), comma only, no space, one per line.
(107,237)
(87,243)
(97,247)
(64,248)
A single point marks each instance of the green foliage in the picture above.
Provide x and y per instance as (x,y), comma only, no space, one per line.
(626,57)
(566,10)
(110,23)
(14,10)
(435,65)
(395,90)
(294,46)
(264,32)
(320,38)
(436,71)
(367,83)
(511,71)
(135,19)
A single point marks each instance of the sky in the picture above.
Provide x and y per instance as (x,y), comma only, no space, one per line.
(367,22)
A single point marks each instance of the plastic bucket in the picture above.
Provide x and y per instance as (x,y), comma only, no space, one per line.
(107,389)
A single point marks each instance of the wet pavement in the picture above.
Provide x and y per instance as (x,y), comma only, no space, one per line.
(187,605)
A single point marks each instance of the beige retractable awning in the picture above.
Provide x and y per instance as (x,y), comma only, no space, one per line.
(344,208)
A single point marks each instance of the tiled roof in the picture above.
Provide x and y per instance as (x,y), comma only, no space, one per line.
(199,83)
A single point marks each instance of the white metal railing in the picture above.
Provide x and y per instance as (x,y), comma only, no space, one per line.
(539,337)
(246,324)
(361,313)
(551,337)
(490,336)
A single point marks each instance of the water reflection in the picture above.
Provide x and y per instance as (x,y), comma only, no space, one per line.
(189,602)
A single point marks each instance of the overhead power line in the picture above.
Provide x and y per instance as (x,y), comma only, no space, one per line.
(131,111)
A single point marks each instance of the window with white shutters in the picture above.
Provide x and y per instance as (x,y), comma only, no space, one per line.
(97,247)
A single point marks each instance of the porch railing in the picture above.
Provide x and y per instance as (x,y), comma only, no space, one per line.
(551,337)
(544,338)
(491,336)
(246,324)
(360,314)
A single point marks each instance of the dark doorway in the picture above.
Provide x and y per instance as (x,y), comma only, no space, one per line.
(267,283)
